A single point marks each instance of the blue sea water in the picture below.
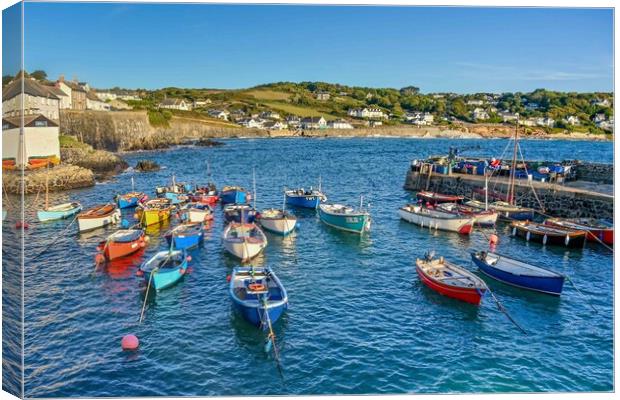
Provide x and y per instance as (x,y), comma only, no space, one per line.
(359,319)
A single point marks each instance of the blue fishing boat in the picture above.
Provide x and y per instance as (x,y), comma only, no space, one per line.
(176,198)
(345,218)
(166,268)
(130,199)
(258,295)
(235,194)
(60,211)
(518,273)
(240,213)
(186,236)
(305,198)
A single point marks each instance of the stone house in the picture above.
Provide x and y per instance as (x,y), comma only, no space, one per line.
(75,91)
(37,99)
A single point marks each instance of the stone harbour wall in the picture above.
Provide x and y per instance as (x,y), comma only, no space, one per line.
(62,177)
(599,173)
(557,200)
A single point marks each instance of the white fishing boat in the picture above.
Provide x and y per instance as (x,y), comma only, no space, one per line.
(435,219)
(277,221)
(98,216)
(244,241)
(483,217)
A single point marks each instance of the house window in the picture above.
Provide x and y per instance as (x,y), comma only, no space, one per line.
(40,123)
(5,126)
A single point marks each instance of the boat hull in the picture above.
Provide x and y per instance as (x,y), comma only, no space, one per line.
(356,223)
(51,215)
(281,226)
(128,201)
(114,250)
(548,285)
(593,234)
(150,217)
(460,225)
(245,251)
(471,296)
(165,279)
(182,242)
(303,201)
(88,224)
(198,216)
(552,239)
(234,196)
(256,315)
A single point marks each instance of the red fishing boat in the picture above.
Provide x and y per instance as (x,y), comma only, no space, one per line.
(435,198)
(205,195)
(123,243)
(597,229)
(450,280)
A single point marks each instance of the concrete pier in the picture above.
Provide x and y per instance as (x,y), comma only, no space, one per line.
(570,200)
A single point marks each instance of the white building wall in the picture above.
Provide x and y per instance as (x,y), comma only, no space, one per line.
(39,141)
(32,105)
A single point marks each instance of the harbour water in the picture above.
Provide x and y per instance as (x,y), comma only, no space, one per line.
(359,320)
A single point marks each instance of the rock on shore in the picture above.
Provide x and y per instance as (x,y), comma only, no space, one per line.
(61,177)
(147,166)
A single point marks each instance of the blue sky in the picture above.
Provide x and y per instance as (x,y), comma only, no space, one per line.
(231,46)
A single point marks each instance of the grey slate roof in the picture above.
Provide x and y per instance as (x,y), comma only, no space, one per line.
(31,87)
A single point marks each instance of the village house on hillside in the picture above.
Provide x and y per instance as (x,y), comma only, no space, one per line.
(601,103)
(323,96)
(339,124)
(219,114)
(249,123)
(313,123)
(369,113)
(479,114)
(201,103)
(508,116)
(93,102)
(174,104)
(293,121)
(75,91)
(545,121)
(274,125)
(37,99)
(269,115)
(64,98)
(420,118)
(475,102)
(571,120)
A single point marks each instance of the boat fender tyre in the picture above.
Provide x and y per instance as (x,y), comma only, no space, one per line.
(514,231)
(527,236)
(567,240)
(545,239)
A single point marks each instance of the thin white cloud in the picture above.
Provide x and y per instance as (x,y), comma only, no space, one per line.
(504,72)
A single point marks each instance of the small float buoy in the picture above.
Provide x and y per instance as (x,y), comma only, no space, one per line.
(21,224)
(493,239)
(188,270)
(142,243)
(227,278)
(188,258)
(99,258)
(146,239)
(130,342)
(139,273)
(135,216)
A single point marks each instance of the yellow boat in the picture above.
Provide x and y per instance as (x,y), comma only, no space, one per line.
(154,212)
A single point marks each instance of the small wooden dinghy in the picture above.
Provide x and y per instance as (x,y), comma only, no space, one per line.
(239,213)
(244,241)
(305,198)
(545,234)
(123,243)
(345,218)
(98,216)
(277,221)
(60,211)
(186,236)
(450,280)
(196,212)
(258,295)
(518,273)
(154,211)
(435,198)
(597,229)
(130,199)
(435,219)
(482,217)
(235,195)
(505,210)
(166,268)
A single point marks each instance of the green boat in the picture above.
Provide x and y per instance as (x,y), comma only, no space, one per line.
(345,218)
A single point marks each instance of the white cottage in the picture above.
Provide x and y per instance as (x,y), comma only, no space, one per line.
(40,139)
(37,99)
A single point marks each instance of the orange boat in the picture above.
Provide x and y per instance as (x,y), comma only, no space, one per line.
(123,243)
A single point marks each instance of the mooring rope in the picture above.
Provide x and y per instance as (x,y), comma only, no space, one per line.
(59,236)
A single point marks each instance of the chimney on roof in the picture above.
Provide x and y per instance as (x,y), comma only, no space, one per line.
(61,78)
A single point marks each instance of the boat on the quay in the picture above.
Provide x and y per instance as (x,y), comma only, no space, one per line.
(546,234)
(165,268)
(98,217)
(518,273)
(345,218)
(258,295)
(239,213)
(450,280)
(277,221)
(185,236)
(196,212)
(301,197)
(154,211)
(435,219)
(482,217)
(123,243)
(598,230)
(436,198)
(234,195)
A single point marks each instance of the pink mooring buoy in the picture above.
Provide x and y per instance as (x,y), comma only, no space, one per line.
(130,342)
(493,239)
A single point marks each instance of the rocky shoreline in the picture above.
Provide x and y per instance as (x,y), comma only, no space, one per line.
(61,177)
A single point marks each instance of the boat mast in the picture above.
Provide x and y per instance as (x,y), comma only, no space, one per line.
(513,167)
(320,184)
(361,202)
(254,186)
(486,190)
(133,185)
(47,187)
